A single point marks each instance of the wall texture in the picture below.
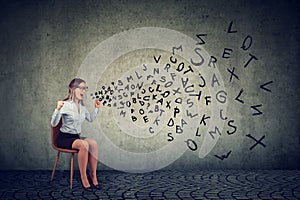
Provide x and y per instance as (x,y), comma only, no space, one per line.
(44,44)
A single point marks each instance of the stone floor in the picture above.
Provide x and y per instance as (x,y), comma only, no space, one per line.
(228,184)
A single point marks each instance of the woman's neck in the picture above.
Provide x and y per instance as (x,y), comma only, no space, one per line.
(76,101)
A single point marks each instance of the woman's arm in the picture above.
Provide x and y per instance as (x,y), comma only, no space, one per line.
(92,116)
(55,118)
(57,114)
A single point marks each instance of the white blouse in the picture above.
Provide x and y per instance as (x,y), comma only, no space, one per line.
(72,118)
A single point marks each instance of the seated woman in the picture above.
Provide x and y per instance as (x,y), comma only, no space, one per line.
(73,113)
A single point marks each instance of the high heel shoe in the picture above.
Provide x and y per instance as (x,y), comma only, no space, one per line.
(97,186)
(94,186)
(88,189)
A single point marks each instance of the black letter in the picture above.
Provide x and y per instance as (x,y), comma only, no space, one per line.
(194,143)
(207,99)
(214,132)
(199,36)
(157,60)
(173,61)
(234,127)
(202,59)
(203,120)
(133,118)
(224,97)
(238,96)
(170,123)
(171,137)
(176,111)
(251,58)
(214,79)
(265,84)
(229,28)
(256,108)
(212,60)
(243,46)
(227,51)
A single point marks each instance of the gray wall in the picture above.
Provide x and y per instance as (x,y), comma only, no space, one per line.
(44,43)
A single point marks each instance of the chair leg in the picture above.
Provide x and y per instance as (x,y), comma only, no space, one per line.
(56,161)
(72,170)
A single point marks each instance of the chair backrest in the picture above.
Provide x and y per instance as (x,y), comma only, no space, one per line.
(54,133)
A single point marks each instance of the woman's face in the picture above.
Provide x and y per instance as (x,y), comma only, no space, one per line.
(80,91)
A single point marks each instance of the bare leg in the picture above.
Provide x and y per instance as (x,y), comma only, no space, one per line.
(93,159)
(83,148)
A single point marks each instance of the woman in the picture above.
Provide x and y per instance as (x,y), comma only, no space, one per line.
(73,113)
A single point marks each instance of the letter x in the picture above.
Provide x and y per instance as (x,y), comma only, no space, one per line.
(232,74)
(176,91)
(257,141)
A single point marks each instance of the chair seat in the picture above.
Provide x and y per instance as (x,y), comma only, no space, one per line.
(66,150)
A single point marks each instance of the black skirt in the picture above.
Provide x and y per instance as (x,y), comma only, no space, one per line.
(65,140)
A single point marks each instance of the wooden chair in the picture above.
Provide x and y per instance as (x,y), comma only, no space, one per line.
(54,134)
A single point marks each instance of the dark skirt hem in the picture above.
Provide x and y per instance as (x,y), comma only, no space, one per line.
(65,140)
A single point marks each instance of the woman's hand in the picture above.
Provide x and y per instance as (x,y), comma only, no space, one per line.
(60,104)
(97,103)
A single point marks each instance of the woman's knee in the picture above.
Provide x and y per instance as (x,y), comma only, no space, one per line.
(92,143)
(81,145)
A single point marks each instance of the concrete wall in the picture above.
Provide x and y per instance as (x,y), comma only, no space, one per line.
(45,44)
